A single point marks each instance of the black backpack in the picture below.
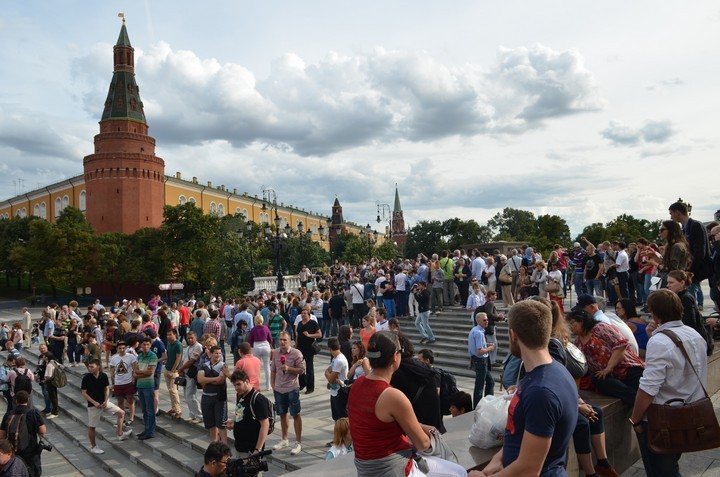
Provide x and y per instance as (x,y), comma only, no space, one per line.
(448,387)
(17,431)
(22,382)
(272,413)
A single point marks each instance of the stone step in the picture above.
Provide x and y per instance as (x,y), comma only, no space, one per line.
(181,443)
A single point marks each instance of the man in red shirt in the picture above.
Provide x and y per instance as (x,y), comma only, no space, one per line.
(184,320)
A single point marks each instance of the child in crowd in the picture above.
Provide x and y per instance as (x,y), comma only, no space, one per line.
(35,334)
(342,442)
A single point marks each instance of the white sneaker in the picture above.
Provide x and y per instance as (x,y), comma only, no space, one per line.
(96,450)
(51,416)
(125,435)
(281,445)
(296,449)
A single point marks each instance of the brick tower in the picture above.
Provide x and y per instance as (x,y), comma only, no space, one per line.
(337,223)
(399,234)
(124,178)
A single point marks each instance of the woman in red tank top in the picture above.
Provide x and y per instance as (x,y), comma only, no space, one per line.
(382,419)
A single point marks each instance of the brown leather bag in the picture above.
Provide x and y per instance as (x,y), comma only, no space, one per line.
(687,427)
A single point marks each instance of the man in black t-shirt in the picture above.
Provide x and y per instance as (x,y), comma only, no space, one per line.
(252,415)
(306,333)
(95,388)
(36,429)
(337,305)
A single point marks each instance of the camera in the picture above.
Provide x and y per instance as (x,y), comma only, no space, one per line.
(249,466)
(45,445)
(181,381)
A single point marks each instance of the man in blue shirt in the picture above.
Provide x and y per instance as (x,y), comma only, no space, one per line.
(479,350)
(543,411)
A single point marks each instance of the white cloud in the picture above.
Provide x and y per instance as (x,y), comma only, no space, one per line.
(653,131)
(345,101)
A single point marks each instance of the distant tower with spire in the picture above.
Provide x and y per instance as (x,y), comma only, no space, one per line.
(125,180)
(337,223)
(397,225)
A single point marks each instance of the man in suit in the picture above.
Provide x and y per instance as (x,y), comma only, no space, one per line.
(699,247)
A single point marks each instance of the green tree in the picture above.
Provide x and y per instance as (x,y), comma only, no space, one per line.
(387,250)
(596,233)
(109,263)
(551,229)
(190,240)
(459,232)
(33,255)
(14,232)
(514,224)
(75,246)
(427,237)
(146,262)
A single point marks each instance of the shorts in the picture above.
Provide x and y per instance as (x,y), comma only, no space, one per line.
(124,390)
(94,413)
(214,411)
(156,378)
(288,402)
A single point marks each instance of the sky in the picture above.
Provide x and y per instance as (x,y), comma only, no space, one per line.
(586,110)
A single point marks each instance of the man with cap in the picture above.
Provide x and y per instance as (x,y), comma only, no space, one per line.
(595,307)
(589,304)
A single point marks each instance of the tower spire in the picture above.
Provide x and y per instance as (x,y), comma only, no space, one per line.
(396,207)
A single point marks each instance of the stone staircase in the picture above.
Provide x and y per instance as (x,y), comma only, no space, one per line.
(176,450)
(179,446)
(451,329)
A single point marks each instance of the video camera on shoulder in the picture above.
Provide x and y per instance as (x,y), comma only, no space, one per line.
(248,466)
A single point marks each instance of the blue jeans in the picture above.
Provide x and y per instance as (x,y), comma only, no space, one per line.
(593,287)
(578,283)
(324,327)
(423,326)
(389,307)
(46,397)
(482,378)
(697,292)
(657,465)
(147,403)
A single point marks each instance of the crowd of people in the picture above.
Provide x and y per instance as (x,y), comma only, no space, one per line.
(381,391)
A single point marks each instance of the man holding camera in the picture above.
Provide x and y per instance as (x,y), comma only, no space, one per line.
(251,422)
(28,416)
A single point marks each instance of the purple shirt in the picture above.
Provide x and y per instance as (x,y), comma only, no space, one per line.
(258,334)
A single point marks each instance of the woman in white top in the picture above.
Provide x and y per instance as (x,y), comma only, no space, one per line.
(360,364)
(539,278)
(490,274)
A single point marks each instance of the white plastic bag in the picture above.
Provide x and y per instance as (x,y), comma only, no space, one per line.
(491,416)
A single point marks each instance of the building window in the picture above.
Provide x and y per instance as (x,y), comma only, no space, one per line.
(23,213)
(58,207)
(245,213)
(238,211)
(43,210)
(65,201)
(192,200)
(221,210)
(213,208)
(83,201)
(182,200)
(36,210)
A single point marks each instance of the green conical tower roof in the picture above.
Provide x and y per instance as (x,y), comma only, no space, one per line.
(123,99)
(123,39)
(397,207)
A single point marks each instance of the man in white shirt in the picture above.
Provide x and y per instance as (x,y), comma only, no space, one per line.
(401,292)
(595,307)
(668,374)
(122,383)
(622,264)
(478,265)
(336,374)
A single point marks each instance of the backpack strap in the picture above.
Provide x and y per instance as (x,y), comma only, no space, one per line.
(678,342)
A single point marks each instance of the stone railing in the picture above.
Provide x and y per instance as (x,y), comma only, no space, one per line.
(292,283)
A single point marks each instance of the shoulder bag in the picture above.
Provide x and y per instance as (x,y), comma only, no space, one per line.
(505,277)
(678,426)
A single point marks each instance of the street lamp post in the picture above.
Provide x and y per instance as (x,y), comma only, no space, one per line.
(277,241)
(367,234)
(249,228)
(382,216)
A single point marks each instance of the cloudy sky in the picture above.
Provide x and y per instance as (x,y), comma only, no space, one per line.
(582,109)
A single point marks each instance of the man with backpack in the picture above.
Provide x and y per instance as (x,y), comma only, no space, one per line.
(20,378)
(23,427)
(254,418)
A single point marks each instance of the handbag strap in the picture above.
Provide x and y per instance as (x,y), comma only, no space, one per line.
(678,342)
